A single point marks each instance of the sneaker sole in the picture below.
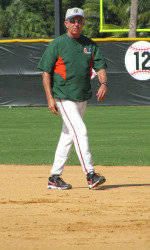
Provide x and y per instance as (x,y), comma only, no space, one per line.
(55,187)
(97,183)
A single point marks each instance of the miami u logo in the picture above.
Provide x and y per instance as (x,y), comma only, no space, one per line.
(87,51)
(76,11)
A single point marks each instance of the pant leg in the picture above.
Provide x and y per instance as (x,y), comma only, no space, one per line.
(72,113)
(64,145)
(63,151)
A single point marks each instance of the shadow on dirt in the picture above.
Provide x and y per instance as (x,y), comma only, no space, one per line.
(118,186)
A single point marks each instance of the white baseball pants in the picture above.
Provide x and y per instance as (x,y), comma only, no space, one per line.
(73,131)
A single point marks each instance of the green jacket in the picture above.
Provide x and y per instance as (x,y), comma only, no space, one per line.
(70,62)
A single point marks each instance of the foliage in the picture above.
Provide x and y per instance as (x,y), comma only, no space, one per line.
(91,9)
(1,20)
(31,19)
(36,18)
(3,23)
(4,3)
(117,12)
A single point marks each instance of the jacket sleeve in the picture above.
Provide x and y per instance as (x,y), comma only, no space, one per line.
(98,59)
(49,58)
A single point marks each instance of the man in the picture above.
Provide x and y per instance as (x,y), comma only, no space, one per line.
(67,65)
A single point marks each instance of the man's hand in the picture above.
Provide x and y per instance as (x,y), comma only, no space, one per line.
(102,92)
(53,106)
(50,100)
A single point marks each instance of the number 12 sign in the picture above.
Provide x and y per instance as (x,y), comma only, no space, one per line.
(137,60)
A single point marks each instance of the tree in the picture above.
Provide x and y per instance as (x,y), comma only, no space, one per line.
(117,14)
(3,24)
(143,20)
(133,18)
(1,21)
(4,3)
(91,10)
(36,18)
(31,19)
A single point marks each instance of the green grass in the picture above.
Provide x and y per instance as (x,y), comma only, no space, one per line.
(117,135)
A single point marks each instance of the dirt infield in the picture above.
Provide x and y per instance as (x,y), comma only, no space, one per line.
(116,216)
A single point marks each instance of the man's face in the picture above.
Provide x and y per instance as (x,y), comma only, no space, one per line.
(74,26)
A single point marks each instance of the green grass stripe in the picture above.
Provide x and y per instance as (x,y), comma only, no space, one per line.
(117,135)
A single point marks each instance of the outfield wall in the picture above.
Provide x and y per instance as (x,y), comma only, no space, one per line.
(21,82)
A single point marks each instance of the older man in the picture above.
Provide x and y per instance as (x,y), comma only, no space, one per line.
(67,65)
